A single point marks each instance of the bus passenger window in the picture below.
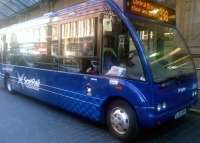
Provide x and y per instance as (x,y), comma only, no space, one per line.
(54,40)
(120,57)
(30,47)
(79,43)
(1,48)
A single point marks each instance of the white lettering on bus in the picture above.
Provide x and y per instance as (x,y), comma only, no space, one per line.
(30,83)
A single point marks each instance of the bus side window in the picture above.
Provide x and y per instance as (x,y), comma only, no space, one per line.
(31,47)
(120,57)
(1,48)
(79,46)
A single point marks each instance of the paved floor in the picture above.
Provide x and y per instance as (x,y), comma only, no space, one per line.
(198,105)
(25,120)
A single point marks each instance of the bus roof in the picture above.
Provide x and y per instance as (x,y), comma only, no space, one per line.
(77,10)
(90,6)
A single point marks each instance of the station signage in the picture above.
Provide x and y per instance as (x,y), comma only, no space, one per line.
(152,10)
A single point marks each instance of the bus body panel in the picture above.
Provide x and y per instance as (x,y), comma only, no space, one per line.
(69,91)
(180,91)
(150,118)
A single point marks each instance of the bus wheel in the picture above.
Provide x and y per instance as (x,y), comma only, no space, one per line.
(8,85)
(121,120)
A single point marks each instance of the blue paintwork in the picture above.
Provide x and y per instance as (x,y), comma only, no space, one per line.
(148,116)
(69,90)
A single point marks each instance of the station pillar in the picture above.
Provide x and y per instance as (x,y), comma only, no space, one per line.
(188,22)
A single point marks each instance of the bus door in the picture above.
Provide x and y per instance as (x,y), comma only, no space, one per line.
(120,56)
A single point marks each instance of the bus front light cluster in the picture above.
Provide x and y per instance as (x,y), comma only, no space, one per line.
(161,107)
(194,93)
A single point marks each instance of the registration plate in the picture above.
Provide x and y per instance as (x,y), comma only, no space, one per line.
(180,114)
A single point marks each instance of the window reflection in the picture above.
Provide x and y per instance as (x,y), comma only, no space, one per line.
(29,46)
(79,36)
(120,57)
(165,49)
(70,46)
(79,46)
(54,41)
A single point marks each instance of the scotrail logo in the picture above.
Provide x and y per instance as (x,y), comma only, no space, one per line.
(30,83)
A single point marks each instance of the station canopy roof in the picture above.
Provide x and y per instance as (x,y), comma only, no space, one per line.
(10,8)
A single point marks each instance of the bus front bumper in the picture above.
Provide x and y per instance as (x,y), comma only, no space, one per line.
(150,118)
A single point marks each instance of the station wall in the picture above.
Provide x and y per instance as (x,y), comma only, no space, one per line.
(188,22)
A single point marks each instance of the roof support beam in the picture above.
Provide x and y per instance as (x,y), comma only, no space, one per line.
(6,5)
(3,14)
(8,10)
(22,3)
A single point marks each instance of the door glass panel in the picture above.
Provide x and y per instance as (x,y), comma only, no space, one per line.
(120,57)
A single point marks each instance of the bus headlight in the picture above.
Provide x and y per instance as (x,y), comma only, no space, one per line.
(194,93)
(162,106)
(159,107)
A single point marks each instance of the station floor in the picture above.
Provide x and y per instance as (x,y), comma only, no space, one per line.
(26,120)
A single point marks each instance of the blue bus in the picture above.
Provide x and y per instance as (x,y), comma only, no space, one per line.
(118,62)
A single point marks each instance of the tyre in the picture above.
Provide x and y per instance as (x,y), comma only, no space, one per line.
(121,120)
(8,85)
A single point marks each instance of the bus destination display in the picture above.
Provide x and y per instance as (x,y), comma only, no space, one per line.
(152,10)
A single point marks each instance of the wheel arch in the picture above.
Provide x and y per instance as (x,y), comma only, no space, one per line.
(111,99)
(6,76)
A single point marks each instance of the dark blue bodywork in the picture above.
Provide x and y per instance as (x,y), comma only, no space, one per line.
(69,90)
